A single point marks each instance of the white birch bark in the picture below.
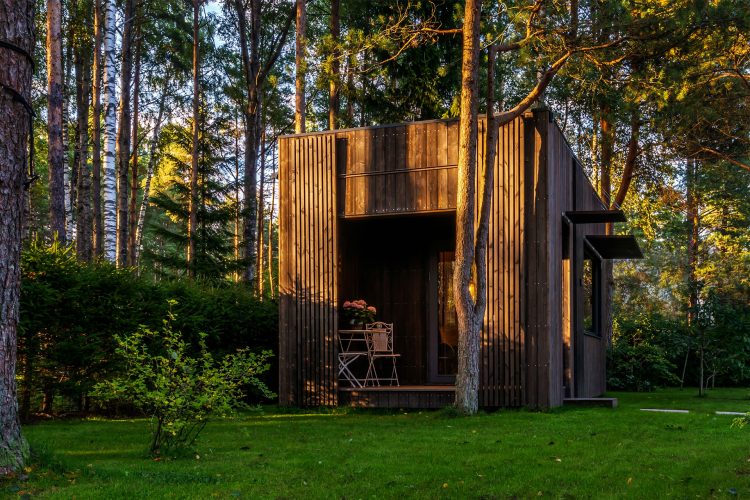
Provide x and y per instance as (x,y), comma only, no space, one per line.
(110,132)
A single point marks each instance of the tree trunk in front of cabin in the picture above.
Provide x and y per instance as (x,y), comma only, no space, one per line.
(16,69)
(55,150)
(193,206)
(132,208)
(70,168)
(300,63)
(334,85)
(96,153)
(110,134)
(467,378)
(123,135)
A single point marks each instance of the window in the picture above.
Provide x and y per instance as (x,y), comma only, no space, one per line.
(591,284)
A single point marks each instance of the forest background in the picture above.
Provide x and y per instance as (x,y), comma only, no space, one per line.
(154,161)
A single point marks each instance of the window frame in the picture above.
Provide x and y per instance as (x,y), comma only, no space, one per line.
(596,291)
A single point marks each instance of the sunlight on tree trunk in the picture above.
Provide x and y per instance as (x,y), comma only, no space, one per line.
(17,28)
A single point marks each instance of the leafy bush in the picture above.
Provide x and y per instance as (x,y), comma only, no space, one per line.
(178,391)
(72,311)
(639,367)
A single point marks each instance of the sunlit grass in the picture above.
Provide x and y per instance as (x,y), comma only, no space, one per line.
(570,452)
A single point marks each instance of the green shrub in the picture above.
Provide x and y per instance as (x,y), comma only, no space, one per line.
(72,311)
(178,391)
(639,367)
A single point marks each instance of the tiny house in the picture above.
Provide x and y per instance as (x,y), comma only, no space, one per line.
(370,213)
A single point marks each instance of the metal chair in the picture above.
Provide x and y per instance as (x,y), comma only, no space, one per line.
(347,356)
(379,337)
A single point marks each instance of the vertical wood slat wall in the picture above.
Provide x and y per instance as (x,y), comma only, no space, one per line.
(407,169)
(502,354)
(308,291)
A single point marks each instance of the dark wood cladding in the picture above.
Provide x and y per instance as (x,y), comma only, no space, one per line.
(336,243)
(503,357)
(397,169)
(429,397)
(308,285)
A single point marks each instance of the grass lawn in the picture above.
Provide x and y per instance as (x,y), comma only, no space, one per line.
(566,453)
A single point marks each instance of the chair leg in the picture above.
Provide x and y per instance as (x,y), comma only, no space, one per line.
(394,374)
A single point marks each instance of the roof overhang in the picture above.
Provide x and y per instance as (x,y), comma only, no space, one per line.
(595,216)
(615,246)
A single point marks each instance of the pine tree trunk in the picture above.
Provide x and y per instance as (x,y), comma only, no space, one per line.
(300,62)
(152,157)
(123,135)
(270,232)
(70,169)
(55,121)
(259,250)
(83,189)
(16,27)
(110,131)
(333,96)
(467,378)
(134,159)
(238,204)
(193,215)
(96,153)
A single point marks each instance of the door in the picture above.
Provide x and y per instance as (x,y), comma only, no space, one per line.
(443,330)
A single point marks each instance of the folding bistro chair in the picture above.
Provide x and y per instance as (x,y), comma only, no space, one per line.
(379,337)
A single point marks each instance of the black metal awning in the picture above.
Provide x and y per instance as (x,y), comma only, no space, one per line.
(611,246)
(595,216)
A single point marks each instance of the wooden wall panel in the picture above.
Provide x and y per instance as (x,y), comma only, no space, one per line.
(502,356)
(308,282)
(397,169)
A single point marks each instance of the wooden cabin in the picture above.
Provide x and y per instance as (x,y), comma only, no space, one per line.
(370,213)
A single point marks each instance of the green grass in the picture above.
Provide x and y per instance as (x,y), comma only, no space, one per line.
(566,453)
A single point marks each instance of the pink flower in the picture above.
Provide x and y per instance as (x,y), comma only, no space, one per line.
(371,309)
(347,304)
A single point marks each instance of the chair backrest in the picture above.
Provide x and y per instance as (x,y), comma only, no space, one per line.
(380,337)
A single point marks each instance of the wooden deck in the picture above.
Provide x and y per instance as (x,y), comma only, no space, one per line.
(405,396)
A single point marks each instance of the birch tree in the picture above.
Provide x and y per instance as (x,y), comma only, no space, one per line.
(16,69)
(96,139)
(110,133)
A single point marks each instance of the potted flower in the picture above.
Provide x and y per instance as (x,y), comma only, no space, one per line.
(358,312)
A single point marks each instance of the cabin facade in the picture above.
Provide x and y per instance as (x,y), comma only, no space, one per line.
(370,213)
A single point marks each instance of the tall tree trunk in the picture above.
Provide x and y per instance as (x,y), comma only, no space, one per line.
(259,250)
(238,204)
(110,131)
(134,157)
(83,189)
(300,62)
(16,68)
(270,229)
(255,77)
(70,168)
(152,157)
(628,170)
(467,378)
(350,91)
(55,121)
(693,228)
(607,152)
(96,153)
(123,134)
(193,214)
(335,84)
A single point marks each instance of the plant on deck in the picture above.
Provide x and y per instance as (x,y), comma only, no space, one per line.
(359,312)
(178,391)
